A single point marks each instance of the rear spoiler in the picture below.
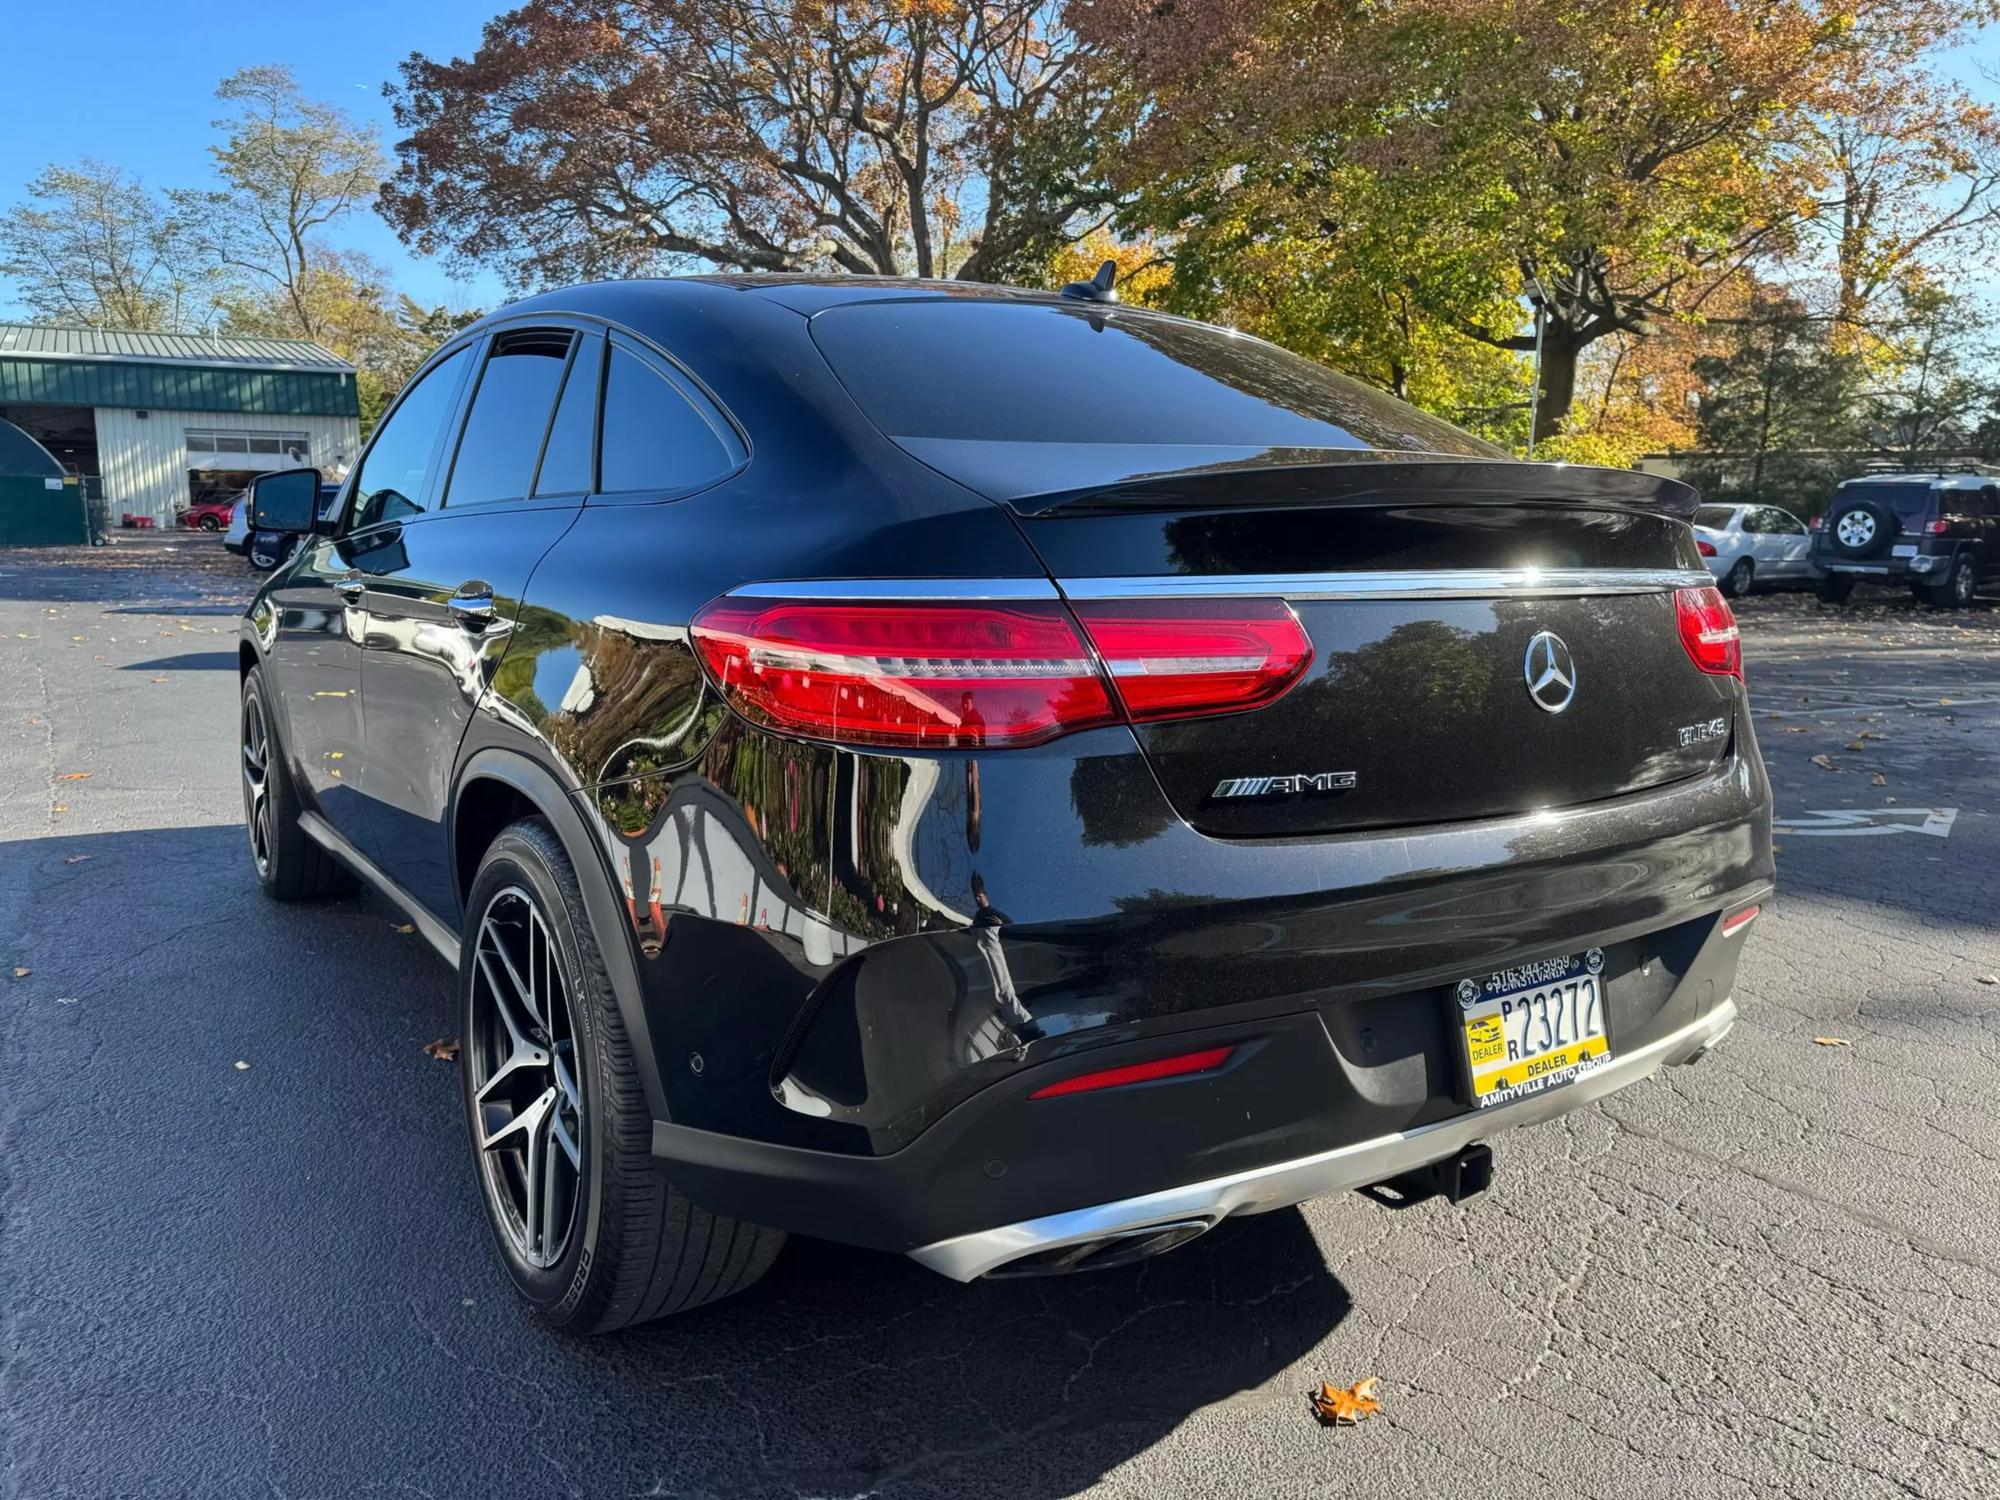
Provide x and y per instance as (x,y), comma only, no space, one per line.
(1068,479)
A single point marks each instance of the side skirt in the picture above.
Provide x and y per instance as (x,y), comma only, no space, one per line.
(435,932)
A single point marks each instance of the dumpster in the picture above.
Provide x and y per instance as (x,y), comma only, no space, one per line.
(40,505)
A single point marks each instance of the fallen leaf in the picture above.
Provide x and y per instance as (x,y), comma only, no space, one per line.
(62,807)
(1945,702)
(1989,978)
(76,776)
(1825,762)
(76,859)
(22,973)
(163,679)
(1878,779)
(84,638)
(444,1049)
(1796,728)
(403,926)
(1343,1408)
(1777,848)
(1831,1041)
(242,1066)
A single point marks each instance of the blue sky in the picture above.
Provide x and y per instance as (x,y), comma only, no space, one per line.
(134,84)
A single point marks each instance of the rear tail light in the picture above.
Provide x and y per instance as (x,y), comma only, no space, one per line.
(1937,527)
(1706,549)
(1708,630)
(1205,1061)
(948,674)
(1817,523)
(1199,656)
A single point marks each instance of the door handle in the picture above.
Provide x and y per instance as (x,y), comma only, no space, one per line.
(351,588)
(472,605)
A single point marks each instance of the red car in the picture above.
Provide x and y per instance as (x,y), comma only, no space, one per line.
(207,515)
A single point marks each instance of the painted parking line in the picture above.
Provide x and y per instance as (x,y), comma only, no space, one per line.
(1853,822)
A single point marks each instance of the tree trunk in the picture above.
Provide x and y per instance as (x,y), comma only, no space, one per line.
(1558,393)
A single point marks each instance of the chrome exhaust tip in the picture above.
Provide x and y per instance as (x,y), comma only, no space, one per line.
(1102,1252)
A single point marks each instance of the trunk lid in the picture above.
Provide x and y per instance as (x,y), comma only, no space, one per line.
(1437,596)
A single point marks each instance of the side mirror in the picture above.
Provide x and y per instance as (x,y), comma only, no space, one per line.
(286,501)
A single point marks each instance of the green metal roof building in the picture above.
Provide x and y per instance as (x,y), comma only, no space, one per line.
(166,419)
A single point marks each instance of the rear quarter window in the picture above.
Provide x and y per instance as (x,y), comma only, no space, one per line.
(1035,373)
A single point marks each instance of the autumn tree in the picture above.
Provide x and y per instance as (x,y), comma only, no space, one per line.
(91,245)
(1617,161)
(292,169)
(597,137)
(1941,381)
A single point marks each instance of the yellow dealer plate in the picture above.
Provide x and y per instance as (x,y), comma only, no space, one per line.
(1533,1028)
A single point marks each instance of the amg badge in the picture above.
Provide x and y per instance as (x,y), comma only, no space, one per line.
(1285,786)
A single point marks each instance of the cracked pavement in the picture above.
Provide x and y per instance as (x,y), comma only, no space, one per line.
(1774,1273)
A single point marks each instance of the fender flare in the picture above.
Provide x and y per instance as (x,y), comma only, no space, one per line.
(608,925)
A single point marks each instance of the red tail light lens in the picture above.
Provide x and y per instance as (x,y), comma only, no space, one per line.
(948,674)
(936,675)
(1201,656)
(1706,549)
(1817,523)
(1937,526)
(1708,630)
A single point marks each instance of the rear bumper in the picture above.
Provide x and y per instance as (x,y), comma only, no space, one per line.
(1284,1183)
(1339,1095)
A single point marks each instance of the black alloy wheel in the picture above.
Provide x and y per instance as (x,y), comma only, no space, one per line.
(527,1099)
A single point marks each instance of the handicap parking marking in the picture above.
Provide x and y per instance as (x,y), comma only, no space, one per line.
(1862,822)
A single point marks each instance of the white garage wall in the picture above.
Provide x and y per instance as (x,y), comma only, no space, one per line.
(145,462)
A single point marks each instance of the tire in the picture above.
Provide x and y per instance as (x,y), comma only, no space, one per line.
(1864,529)
(1740,579)
(290,866)
(632,1247)
(1958,587)
(209,523)
(1833,589)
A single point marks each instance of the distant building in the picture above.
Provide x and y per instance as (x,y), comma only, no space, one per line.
(165,419)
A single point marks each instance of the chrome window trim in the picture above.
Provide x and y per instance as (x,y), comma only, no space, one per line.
(865,589)
(1442,583)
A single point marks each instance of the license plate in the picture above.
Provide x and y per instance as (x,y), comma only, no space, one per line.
(1903,550)
(1533,1028)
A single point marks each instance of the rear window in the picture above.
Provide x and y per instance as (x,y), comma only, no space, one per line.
(1714,517)
(1908,501)
(1033,373)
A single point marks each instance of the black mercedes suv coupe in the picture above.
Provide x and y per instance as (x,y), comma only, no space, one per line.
(991,776)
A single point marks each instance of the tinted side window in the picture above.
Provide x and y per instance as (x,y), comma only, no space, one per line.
(391,482)
(654,439)
(1785,522)
(566,458)
(509,417)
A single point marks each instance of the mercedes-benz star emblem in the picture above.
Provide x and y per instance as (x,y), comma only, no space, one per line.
(1549,672)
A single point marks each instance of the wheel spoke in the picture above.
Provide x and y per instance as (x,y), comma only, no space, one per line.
(525,1123)
(506,996)
(551,1185)
(566,1078)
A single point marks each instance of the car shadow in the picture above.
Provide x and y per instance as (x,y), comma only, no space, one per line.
(189,661)
(233,1165)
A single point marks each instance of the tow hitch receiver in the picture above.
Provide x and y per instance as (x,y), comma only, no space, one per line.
(1456,1178)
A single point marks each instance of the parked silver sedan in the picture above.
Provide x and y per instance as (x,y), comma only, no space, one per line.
(1745,545)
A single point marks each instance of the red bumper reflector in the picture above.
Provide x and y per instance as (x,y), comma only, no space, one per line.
(1205,1061)
(1735,924)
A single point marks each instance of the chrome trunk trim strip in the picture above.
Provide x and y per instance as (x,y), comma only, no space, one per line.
(968,1256)
(1442,583)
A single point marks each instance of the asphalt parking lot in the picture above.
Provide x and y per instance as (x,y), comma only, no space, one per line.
(1775,1273)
